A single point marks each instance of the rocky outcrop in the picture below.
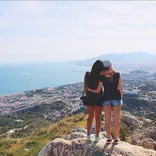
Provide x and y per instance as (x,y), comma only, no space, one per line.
(145,138)
(81,147)
(142,142)
(75,144)
(143,133)
(131,120)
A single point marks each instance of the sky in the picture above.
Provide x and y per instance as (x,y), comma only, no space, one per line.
(67,30)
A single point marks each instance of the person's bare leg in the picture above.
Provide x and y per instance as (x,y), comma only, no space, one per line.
(116,113)
(108,110)
(90,118)
(98,111)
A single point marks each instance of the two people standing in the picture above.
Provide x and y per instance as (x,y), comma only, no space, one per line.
(102,75)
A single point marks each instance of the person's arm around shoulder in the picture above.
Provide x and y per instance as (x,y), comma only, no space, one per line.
(98,89)
(120,86)
(109,71)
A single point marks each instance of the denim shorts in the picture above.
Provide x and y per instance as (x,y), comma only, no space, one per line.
(113,102)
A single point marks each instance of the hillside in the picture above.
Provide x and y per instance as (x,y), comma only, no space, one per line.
(46,106)
(29,120)
(38,138)
(133,130)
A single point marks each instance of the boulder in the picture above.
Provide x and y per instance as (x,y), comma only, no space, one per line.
(131,120)
(81,147)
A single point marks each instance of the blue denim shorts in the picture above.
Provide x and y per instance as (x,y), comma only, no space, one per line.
(113,102)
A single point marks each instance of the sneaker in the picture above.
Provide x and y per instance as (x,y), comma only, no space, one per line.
(88,137)
(109,139)
(97,138)
(116,141)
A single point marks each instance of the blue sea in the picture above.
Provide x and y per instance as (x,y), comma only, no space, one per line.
(16,78)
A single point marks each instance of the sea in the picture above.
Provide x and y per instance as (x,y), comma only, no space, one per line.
(16,78)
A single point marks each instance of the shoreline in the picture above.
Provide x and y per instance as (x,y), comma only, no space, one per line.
(23,92)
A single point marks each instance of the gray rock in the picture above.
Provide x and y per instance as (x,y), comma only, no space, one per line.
(78,129)
(80,147)
(75,135)
(147,123)
(130,120)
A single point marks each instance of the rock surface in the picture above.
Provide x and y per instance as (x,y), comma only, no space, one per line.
(131,120)
(81,147)
(144,132)
(142,141)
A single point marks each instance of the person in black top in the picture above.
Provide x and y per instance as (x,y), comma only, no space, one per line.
(112,100)
(94,100)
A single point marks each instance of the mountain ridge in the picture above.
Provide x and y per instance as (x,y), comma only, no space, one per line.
(122,58)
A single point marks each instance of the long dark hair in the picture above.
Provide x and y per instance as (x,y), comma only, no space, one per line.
(97,68)
(95,74)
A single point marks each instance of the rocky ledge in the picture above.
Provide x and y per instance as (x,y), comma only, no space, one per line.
(75,144)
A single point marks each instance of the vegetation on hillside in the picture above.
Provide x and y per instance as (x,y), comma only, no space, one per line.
(138,107)
(30,146)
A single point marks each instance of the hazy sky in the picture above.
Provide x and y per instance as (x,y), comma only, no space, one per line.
(68,30)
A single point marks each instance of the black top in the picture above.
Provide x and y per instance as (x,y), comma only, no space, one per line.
(94,99)
(111,90)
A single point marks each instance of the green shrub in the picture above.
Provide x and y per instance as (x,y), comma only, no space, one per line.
(31,144)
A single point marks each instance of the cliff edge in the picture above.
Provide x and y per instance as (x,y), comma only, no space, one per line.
(76,144)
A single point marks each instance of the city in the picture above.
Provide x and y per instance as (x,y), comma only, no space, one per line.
(140,86)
